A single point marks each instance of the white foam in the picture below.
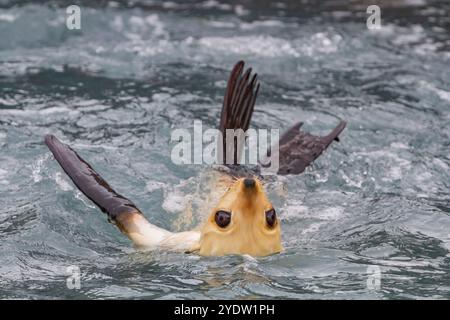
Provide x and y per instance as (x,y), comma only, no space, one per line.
(396,164)
(62,183)
(143,48)
(89,146)
(262,23)
(158,26)
(249,258)
(441,164)
(221,24)
(265,46)
(36,167)
(269,46)
(175,201)
(160,97)
(3,175)
(399,145)
(240,10)
(425,48)
(169,5)
(332,213)
(418,3)
(80,196)
(85,103)
(53,110)
(117,23)
(7,17)
(216,4)
(294,209)
(46,111)
(351,182)
(8,102)
(324,43)
(401,263)
(191,282)
(154,185)
(423,176)
(136,21)
(444,95)
(141,25)
(89,105)
(414,35)
(312,228)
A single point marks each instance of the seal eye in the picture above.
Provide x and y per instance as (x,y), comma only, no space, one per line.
(223,218)
(271,217)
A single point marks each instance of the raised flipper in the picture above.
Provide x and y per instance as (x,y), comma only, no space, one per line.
(119,209)
(238,104)
(299,149)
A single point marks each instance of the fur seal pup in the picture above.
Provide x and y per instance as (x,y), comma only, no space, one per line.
(243,221)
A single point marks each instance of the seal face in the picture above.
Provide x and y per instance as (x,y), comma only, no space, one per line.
(243,222)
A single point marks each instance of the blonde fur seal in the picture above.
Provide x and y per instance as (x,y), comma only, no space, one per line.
(243,221)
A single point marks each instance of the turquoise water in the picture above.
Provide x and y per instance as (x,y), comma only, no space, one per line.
(115,89)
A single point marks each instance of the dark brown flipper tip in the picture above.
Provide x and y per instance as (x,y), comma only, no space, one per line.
(89,182)
(238,105)
(299,149)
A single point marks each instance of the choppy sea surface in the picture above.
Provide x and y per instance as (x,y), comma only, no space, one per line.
(377,202)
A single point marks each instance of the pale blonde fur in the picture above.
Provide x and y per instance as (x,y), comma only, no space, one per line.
(247,233)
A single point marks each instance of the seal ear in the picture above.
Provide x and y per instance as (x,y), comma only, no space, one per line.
(299,149)
(119,209)
(238,105)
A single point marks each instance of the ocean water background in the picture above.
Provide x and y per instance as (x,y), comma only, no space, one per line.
(114,90)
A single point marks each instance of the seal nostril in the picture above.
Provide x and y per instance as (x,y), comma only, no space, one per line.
(249,182)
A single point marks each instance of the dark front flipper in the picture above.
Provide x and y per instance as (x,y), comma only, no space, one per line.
(238,105)
(299,149)
(119,209)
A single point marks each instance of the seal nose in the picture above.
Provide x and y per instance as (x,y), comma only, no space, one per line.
(249,183)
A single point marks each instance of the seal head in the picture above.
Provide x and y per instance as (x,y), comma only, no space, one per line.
(243,222)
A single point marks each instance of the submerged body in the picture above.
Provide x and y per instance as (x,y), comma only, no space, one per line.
(243,220)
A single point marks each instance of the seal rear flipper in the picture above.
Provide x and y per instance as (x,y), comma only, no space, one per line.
(299,149)
(238,105)
(119,209)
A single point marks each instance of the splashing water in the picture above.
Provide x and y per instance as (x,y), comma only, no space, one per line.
(116,88)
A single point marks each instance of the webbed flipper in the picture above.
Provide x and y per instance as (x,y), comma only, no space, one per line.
(120,210)
(238,105)
(299,149)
